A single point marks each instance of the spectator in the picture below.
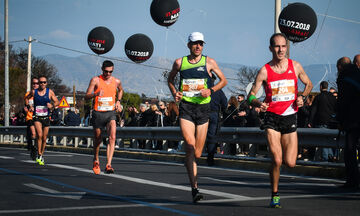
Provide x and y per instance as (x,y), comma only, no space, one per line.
(172,115)
(231,120)
(356,61)
(72,119)
(348,114)
(133,116)
(322,115)
(144,120)
(156,121)
(218,104)
(243,110)
(303,117)
(172,119)
(253,120)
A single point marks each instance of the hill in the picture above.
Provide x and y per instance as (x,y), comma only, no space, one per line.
(146,78)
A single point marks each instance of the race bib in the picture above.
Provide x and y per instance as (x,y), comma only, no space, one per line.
(192,87)
(283,90)
(105,104)
(41,111)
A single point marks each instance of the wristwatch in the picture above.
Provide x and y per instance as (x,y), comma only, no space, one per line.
(212,91)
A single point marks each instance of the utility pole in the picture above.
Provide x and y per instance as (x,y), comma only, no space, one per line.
(6,38)
(277,14)
(28,83)
(276,24)
(74,100)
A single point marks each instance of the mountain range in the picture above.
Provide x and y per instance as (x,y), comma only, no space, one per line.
(147,78)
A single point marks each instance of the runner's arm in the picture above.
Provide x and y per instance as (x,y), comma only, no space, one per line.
(90,91)
(215,68)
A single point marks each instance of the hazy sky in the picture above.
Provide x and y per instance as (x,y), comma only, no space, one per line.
(236,31)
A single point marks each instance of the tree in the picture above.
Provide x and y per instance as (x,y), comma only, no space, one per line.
(18,76)
(245,75)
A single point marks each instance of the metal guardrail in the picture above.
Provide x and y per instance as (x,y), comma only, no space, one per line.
(314,137)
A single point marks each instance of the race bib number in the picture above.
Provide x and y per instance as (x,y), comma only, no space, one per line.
(192,87)
(105,104)
(283,90)
(41,111)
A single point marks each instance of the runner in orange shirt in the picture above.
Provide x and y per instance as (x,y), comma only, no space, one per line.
(30,130)
(107,92)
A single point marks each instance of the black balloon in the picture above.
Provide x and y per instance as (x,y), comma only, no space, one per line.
(139,48)
(100,40)
(297,21)
(165,12)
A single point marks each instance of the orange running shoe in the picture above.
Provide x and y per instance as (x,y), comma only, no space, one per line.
(109,169)
(96,167)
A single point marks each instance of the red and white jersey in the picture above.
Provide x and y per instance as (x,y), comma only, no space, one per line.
(281,90)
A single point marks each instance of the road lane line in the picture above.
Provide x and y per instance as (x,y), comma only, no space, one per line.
(153,183)
(6,157)
(268,184)
(79,208)
(126,199)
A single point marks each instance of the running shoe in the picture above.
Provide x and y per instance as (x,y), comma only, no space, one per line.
(40,160)
(275,202)
(96,167)
(196,195)
(109,169)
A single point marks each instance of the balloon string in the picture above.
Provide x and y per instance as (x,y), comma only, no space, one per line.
(97,64)
(166,39)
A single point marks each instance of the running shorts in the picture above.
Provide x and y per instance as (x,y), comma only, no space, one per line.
(283,124)
(45,121)
(29,123)
(197,113)
(100,119)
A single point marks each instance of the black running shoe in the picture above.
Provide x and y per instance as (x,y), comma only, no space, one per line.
(196,195)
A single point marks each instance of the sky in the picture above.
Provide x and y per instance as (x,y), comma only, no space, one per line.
(236,31)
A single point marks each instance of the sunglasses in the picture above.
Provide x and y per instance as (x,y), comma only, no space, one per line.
(201,43)
(106,71)
(35,83)
(42,82)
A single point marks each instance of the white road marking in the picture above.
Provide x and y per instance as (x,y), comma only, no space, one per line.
(299,196)
(55,193)
(80,208)
(52,155)
(268,183)
(153,183)
(6,157)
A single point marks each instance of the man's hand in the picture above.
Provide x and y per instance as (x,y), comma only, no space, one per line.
(118,106)
(264,106)
(205,92)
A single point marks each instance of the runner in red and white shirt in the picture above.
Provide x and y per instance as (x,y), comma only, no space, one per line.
(279,78)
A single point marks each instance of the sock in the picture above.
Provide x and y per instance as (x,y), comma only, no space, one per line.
(274,194)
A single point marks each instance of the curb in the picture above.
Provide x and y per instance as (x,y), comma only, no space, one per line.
(326,170)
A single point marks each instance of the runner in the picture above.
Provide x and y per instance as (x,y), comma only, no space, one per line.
(107,91)
(279,77)
(42,105)
(30,129)
(194,93)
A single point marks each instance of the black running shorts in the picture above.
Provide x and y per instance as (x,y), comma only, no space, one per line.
(283,124)
(30,123)
(196,113)
(100,119)
(45,121)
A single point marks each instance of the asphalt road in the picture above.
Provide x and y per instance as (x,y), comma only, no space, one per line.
(67,185)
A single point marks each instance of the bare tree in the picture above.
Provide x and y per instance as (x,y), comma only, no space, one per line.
(245,75)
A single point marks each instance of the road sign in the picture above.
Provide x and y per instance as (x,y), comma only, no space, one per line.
(70,100)
(64,103)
